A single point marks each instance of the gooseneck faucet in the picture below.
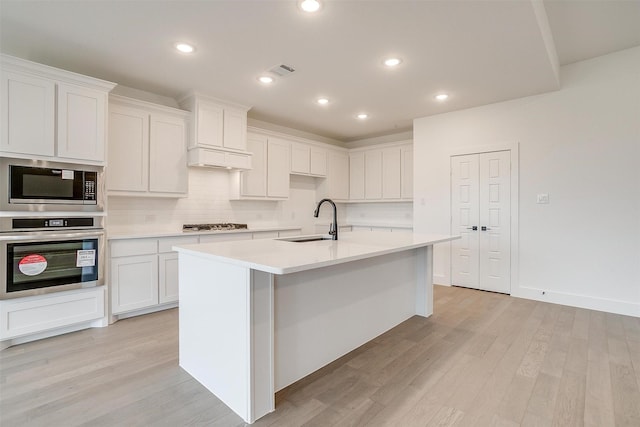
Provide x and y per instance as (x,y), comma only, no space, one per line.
(333,229)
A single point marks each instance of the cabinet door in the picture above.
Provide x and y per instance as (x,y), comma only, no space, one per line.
(391,175)
(356,176)
(209,124)
(168,277)
(373,175)
(336,186)
(134,283)
(300,158)
(28,113)
(318,162)
(235,129)
(407,173)
(81,123)
(167,154)
(128,149)
(278,168)
(253,182)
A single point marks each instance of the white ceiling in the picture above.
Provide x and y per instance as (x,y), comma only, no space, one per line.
(479,52)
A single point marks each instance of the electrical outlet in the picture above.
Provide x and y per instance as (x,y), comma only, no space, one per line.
(542,199)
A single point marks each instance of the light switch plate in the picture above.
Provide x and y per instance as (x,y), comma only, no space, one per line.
(542,199)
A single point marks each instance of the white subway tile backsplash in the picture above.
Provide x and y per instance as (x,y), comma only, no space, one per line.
(208,202)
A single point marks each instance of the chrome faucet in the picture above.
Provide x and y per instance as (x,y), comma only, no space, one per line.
(333,229)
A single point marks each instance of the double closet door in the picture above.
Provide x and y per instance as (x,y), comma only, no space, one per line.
(481,214)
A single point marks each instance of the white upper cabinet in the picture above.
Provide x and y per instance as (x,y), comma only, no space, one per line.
(81,122)
(300,158)
(391,173)
(218,133)
(207,128)
(336,184)
(167,154)
(381,174)
(28,114)
(253,182)
(277,168)
(356,176)
(51,114)
(128,149)
(308,160)
(373,175)
(407,172)
(269,177)
(147,149)
(235,129)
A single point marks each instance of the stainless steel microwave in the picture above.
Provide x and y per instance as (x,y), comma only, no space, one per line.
(33,185)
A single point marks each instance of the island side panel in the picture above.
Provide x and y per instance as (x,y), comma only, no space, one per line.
(262,352)
(215,328)
(424,276)
(324,313)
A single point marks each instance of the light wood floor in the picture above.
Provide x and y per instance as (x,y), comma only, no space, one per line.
(482,359)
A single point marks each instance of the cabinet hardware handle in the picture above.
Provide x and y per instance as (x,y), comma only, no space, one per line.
(483,228)
(474,228)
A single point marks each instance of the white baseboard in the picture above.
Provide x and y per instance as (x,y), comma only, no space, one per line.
(582,301)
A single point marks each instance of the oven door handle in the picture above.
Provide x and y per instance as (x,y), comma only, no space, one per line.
(24,236)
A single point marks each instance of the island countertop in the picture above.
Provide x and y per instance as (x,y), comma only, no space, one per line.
(278,256)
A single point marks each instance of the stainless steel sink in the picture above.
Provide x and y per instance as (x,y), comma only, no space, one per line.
(302,239)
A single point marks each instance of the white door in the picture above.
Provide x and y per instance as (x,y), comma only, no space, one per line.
(481,214)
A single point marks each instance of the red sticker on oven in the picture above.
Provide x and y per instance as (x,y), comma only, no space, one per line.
(32,265)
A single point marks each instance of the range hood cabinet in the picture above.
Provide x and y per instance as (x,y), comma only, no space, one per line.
(212,158)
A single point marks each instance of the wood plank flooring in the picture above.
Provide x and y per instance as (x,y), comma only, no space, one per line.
(482,359)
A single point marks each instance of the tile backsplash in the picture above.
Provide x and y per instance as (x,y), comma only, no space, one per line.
(208,202)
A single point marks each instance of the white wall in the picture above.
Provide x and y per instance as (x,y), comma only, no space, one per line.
(208,202)
(581,145)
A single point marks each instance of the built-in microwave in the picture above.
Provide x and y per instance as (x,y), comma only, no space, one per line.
(34,185)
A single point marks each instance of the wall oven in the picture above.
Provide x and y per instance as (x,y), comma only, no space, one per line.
(35,185)
(47,254)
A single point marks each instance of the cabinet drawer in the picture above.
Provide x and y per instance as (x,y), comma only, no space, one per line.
(131,247)
(41,313)
(165,244)
(212,238)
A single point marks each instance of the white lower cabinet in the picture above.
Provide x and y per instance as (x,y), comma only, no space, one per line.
(143,272)
(168,277)
(134,283)
(21,317)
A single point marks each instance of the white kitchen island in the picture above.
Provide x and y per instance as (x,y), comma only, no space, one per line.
(258,315)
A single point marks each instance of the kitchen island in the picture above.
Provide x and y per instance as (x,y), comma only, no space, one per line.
(256,316)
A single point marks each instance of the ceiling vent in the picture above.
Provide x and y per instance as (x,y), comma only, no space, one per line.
(282,70)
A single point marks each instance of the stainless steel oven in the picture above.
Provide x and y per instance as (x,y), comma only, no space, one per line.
(47,254)
(35,185)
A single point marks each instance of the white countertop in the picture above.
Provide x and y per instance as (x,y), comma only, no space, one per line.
(133,234)
(282,257)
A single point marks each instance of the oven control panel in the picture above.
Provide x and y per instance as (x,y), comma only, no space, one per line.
(31,223)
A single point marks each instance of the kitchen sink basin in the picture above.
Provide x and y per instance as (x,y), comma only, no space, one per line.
(302,239)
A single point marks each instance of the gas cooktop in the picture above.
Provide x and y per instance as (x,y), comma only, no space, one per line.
(213,227)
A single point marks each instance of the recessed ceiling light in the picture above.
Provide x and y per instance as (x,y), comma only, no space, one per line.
(392,62)
(185,47)
(362,116)
(442,97)
(310,5)
(322,101)
(265,79)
